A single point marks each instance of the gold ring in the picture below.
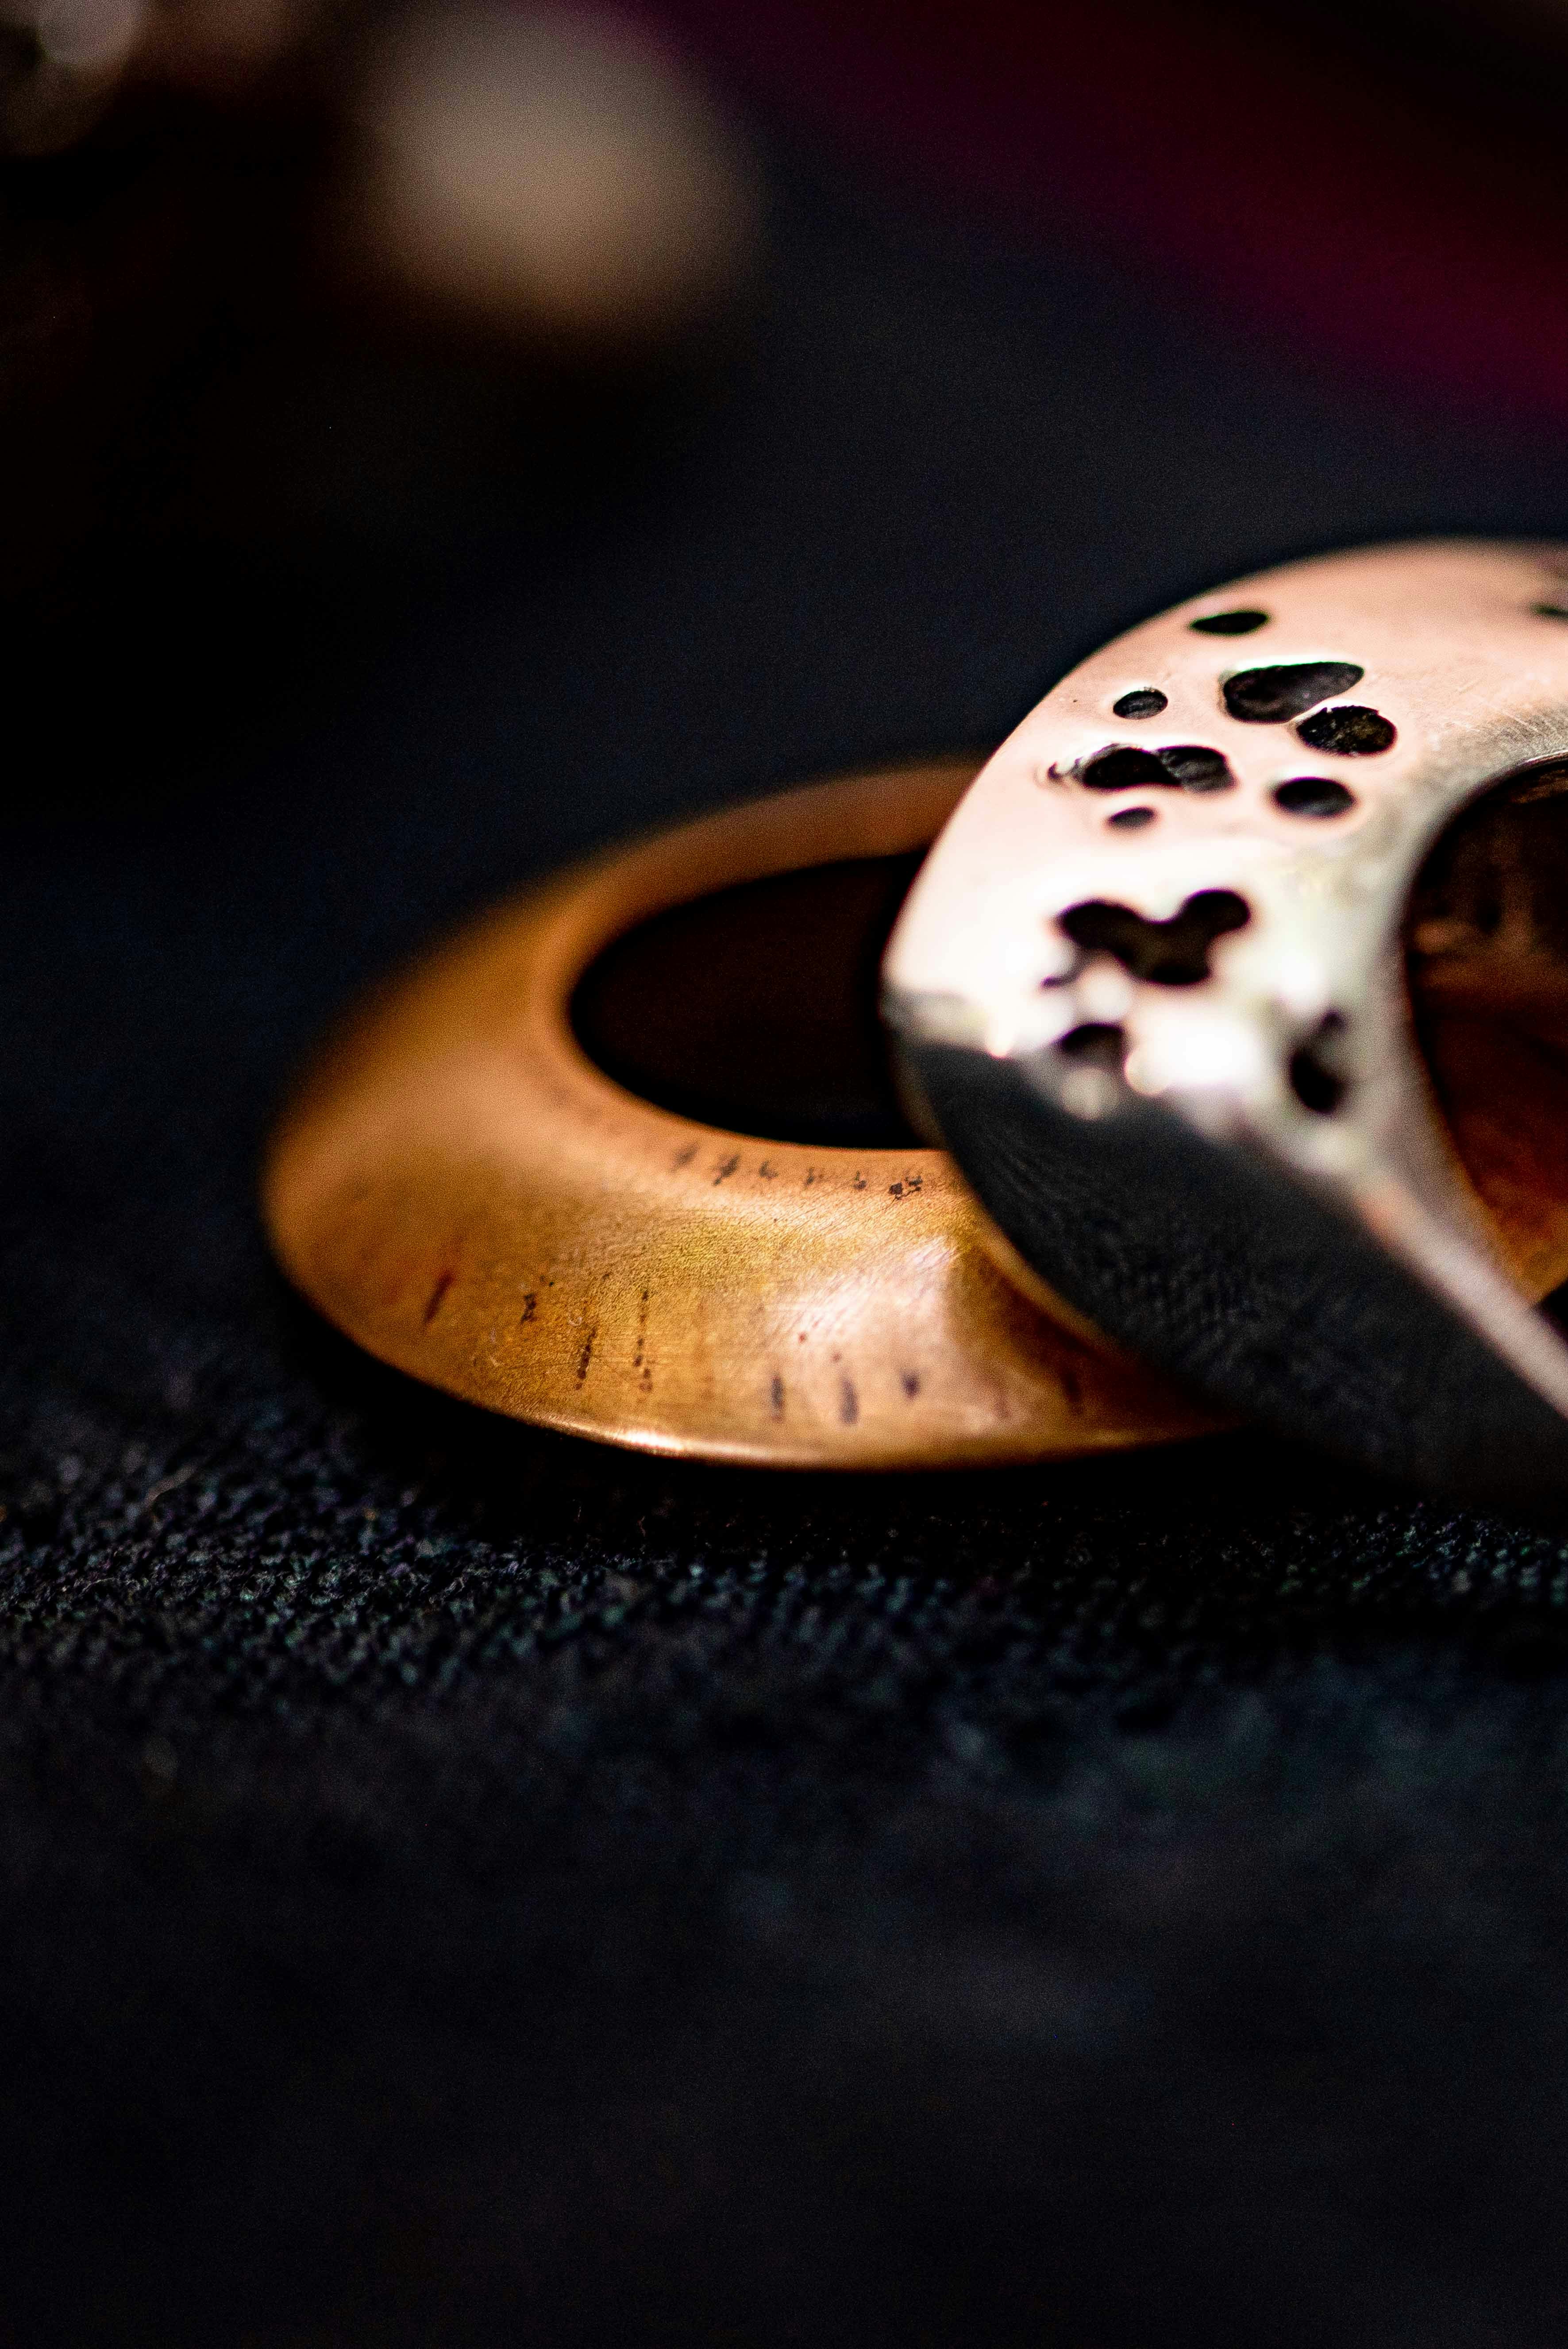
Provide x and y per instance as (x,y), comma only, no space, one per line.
(461,1189)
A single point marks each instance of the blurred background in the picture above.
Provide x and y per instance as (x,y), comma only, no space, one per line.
(308,307)
(459,1887)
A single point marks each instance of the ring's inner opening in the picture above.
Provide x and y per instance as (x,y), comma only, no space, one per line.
(1486,943)
(755,1009)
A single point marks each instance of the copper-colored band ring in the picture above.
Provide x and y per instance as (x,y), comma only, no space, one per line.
(468,1195)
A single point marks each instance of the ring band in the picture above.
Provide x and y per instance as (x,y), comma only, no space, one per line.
(468,1195)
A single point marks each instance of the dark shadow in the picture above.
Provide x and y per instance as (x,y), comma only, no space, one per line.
(755,1009)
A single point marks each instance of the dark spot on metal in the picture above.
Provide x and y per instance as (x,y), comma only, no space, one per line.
(586,1356)
(895,1190)
(530,1308)
(1130,819)
(1148,701)
(1196,768)
(684,1157)
(1229,624)
(1551,610)
(1181,766)
(775,1398)
(910,1382)
(767,1173)
(1174,953)
(1096,1042)
(1122,770)
(1314,795)
(726,1169)
(1350,731)
(1318,1086)
(438,1297)
(1273,697)
(849,1403)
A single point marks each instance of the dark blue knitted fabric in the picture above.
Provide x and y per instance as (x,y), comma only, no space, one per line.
(460,1886)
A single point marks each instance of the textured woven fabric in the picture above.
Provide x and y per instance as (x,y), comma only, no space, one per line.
(459,1886)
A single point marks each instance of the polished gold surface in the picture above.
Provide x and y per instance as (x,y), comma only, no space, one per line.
(468,1196)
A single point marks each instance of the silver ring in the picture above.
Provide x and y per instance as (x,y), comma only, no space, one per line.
(1152,987)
